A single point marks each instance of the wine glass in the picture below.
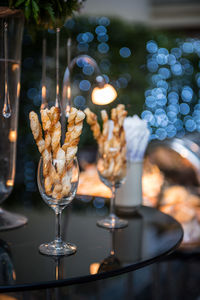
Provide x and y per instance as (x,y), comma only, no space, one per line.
(106,167)
(11,32)
(58,247)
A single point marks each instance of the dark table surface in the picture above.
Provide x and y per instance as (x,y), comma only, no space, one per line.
(149,236)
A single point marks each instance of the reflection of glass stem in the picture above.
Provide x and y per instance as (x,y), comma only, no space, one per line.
(57,67)
(58,268)
(112,251)
(6,106)
(112,202)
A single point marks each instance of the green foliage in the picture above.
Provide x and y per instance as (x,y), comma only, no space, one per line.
(46,13)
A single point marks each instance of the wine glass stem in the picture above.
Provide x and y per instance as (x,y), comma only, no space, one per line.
(58,226)
(112,202)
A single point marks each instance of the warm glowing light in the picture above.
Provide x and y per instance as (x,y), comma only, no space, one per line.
(94,268)
(57,89)
(67,110)
(15,67)
(44,92)
(6,297)
(12,136)
(90,184)
(104,95)
(18,89)
(10,182)
(68,92)
(184,153)
(14,275)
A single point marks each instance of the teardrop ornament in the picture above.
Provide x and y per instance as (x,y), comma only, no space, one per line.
(6,107)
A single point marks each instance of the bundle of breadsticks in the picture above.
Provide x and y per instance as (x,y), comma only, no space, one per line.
(113,150)
(57,159)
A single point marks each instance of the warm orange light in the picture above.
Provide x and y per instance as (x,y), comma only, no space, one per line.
(57,89)
(12,136)
(14,276)
(15,67)
(6,297)
(10,182)
(104,95)
(43,92)
(68,92)
(94,268)
(18,89)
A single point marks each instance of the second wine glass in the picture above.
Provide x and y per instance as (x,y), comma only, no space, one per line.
(58,199)
(112,174)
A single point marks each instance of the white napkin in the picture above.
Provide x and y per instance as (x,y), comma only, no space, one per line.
(137,137)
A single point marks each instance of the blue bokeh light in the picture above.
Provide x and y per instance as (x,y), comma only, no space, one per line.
(165,73)
(184,108)
(161,134)
(102,37)
(187,47)
(152,47)
(187,94)
(84,85)
(171,59)
(190,125)
(80,101)
(103,48)
(161,59)
(104,21)
(171,131)
(150,101)
(88,69)
(152,65)
(173,97)
(177,69)
(125,52)
(176,52)
(99,202)
(100,29)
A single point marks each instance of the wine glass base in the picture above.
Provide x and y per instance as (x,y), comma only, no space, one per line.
(10,220)
(57,248)
(112,222)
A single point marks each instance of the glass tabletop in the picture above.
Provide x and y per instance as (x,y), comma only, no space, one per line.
(101,253)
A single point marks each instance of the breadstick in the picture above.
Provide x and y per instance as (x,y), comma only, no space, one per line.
(72,137)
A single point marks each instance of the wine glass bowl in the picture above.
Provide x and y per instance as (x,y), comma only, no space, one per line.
(112,172)
(62,192)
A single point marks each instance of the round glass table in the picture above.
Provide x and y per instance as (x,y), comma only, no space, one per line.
(150,236)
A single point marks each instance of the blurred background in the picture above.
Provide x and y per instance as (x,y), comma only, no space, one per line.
(149,51)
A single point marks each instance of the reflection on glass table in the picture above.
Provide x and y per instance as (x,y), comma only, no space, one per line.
(111,262)
(7,272)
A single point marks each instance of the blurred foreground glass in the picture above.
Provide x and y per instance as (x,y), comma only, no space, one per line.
(106,167)
(59,247)
(11,30)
